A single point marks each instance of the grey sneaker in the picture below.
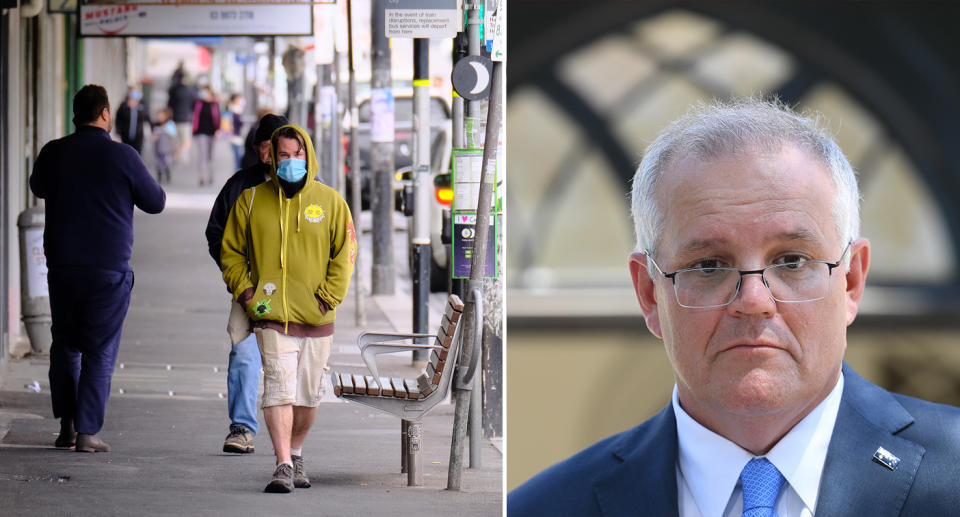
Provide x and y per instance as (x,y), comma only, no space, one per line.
(300,479)
(239,440)
(282,482)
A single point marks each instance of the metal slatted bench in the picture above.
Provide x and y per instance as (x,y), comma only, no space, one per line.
(409,399)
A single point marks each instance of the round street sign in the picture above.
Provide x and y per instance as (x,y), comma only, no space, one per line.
(471,77)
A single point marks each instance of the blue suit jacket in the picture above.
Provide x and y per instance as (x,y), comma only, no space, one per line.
(634,472)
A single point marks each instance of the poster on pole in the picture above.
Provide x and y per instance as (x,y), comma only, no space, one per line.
(496,29)
(467,165)
(381,115)
(215,18)
(464,241)
(421,18)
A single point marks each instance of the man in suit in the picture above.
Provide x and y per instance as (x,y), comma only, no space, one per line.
(749,266)
(91,185)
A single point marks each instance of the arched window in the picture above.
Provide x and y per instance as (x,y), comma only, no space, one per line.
(587,96)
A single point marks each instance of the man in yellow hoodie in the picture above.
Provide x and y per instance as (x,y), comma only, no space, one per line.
(287,255)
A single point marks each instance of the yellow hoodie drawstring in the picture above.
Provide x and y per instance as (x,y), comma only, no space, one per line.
(284,212)
(280,203)
(299,208)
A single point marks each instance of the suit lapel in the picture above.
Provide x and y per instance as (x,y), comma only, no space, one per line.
(645,481)
(853,483)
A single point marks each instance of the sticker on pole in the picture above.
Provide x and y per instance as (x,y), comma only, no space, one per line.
(381,115)
(464,242)
(471,77)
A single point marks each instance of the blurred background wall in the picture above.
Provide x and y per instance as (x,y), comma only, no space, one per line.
(591,83)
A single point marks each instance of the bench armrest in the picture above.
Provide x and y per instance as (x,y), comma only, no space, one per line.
(477,338)
(369,349)
(373,337)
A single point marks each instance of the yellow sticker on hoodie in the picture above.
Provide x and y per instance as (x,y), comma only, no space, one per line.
(313,213)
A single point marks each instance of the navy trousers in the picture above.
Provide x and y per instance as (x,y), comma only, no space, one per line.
(88,306)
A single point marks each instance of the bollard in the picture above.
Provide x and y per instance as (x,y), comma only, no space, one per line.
(414,467)
(403,446)
(34,293)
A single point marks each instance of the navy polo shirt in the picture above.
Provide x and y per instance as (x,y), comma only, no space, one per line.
(91,184)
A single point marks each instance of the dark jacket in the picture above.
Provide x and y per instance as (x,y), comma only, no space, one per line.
(91,184)
(634,472)
(122,123)
(181,99)
(240,181)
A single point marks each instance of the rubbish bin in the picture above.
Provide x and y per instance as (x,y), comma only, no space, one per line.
(34,293)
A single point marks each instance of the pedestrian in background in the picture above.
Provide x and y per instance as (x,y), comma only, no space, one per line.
(206,123)
(243,371)
(164,137)
(181,99)
(233,125)
(90,184)
(131,117)
(295,64)
(290,282)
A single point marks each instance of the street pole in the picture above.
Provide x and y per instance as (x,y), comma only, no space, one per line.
(335,150)
(459,142)
(381,156)
(469,347)
(473,49)
(475,418)
(342,108)
(323,128)
(361,313)
(420,237)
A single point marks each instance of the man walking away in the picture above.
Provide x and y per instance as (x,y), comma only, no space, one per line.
(180,100)
(243,372)
(288,253)
(90,184)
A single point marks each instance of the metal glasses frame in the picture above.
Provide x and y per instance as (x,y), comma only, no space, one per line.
(742,273)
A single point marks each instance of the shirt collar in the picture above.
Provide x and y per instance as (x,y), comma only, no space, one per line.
(88,128)
(711,464)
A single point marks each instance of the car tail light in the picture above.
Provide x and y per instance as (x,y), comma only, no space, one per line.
(444,195)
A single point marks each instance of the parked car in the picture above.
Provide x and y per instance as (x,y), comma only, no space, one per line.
(440,203)
(440,134)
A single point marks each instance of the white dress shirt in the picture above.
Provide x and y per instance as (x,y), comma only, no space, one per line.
(709,465)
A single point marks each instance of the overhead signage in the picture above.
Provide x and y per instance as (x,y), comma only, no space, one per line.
(196,19)
(62,6)
(421,18)
(495,19)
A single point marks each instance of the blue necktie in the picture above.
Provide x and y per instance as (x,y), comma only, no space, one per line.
(761,483)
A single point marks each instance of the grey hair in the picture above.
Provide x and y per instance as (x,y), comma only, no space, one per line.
(710,131)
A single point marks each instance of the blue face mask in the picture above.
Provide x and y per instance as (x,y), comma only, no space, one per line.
(136,95)
(292,170)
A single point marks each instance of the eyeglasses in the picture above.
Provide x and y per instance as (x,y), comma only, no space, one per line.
(790,282)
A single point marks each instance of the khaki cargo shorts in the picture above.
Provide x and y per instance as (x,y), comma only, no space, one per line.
(293,368)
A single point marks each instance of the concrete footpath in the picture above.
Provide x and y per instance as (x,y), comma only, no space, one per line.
(167,414)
